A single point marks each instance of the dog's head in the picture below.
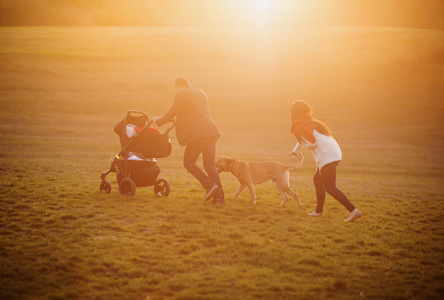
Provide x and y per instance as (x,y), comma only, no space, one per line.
(224,164)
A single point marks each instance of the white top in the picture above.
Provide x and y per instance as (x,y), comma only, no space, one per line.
(326,150)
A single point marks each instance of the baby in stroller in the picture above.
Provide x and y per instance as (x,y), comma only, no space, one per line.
(135,165)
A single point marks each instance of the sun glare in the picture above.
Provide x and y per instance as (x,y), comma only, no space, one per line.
(260,13)
(260,7)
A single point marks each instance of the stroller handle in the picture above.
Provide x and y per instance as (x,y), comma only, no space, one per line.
(169,128)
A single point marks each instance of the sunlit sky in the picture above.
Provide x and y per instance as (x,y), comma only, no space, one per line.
(231,13)
(263,13)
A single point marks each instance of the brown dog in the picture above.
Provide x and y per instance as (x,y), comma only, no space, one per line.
(248,174)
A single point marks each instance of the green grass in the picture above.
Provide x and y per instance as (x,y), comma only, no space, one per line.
(63,89)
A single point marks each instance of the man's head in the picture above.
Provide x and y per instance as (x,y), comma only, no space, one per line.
(181,82)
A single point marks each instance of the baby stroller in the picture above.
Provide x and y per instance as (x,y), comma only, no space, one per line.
(135,165)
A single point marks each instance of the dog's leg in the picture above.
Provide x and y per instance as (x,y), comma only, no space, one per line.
(284,186)
(252,192)
(284,196)
(294,195)
(239,190)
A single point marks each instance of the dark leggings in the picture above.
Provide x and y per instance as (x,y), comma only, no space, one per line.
(325,181)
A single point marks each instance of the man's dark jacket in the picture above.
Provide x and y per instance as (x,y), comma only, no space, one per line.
(193,120)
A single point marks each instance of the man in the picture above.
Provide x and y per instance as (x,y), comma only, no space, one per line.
(196,130)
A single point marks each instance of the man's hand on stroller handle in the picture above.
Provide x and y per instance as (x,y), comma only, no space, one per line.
(154,119)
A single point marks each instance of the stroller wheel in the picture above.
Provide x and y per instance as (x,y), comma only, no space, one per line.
(127,187)
(105,186)
(162,187)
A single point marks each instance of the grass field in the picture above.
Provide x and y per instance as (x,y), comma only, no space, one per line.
(63,89)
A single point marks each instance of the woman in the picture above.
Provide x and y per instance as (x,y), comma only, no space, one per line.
(316,136)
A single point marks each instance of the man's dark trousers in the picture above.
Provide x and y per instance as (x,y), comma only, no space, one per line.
(206,146)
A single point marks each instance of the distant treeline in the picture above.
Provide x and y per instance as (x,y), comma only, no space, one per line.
(386,13)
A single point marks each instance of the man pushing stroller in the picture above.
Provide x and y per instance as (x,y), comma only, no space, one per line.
(197,131)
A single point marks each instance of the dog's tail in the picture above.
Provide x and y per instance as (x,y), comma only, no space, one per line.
(301,160)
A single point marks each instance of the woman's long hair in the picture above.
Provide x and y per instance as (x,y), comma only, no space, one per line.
(300,108)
